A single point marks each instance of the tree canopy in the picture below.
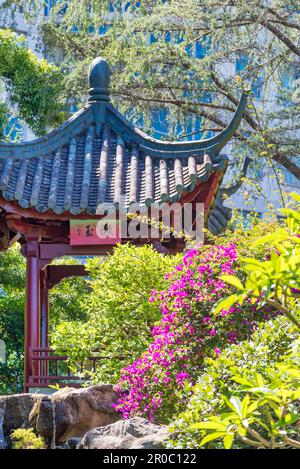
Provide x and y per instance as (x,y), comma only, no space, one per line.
(184,62)
(186,59)
(32,84)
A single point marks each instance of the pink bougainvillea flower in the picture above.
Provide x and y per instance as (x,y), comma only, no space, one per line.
(187,332)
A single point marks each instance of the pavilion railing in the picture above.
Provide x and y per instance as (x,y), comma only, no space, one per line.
(50,369)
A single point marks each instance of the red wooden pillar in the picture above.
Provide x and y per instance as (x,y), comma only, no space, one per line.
(32,309)
(44,323)
(44,309)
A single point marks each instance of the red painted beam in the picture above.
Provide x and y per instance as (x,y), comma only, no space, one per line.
(14,207)
(55,273)
(49,251)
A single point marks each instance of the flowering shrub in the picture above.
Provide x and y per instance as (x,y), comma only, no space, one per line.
(187,332)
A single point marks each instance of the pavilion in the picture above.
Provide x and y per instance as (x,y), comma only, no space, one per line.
(59,180)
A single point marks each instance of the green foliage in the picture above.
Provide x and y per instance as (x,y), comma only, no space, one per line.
(33,84)
(3,116)
(12,302)
(65,304)
(66,299)
(26,439)
(120,316)
(266,417)
(121,285)
(12,269)
(274,281)
(12,333)
(271,358)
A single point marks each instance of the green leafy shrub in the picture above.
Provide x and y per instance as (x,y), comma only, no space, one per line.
(274,343)
(12,303)
(26,439)
(274,281)
(267,417)
(255,406)
(120,317)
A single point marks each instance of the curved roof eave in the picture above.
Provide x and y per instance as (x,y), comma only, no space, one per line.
(167,149)
(88,115)
(47,144)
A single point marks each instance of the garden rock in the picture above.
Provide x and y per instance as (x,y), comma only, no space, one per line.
(72,443)
(61,416)
(16,411)
(134,433)
(72,412)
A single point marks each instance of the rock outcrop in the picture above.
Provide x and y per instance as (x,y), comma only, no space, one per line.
(79,410)
(16,410)
(79,418)
(135,433)
(65,414)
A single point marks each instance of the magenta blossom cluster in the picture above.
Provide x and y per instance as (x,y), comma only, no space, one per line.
(187,332)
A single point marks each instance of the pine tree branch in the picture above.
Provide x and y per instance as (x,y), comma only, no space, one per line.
(281,36)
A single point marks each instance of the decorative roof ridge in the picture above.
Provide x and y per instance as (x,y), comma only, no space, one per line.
(50,142)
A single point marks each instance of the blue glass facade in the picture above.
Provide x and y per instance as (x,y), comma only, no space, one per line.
(14,130)
(48,4)
(191,127)
(289,178)
(257,85)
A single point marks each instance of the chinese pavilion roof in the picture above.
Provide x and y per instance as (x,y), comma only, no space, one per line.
(97,156)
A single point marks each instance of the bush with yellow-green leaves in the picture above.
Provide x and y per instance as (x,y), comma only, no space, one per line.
(26,439)
(244,388)
(249,396)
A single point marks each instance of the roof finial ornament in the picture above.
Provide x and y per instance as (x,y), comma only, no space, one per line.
(99,77)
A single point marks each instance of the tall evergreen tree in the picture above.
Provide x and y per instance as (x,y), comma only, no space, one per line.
(186,61)
(190,59)
(32,84)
